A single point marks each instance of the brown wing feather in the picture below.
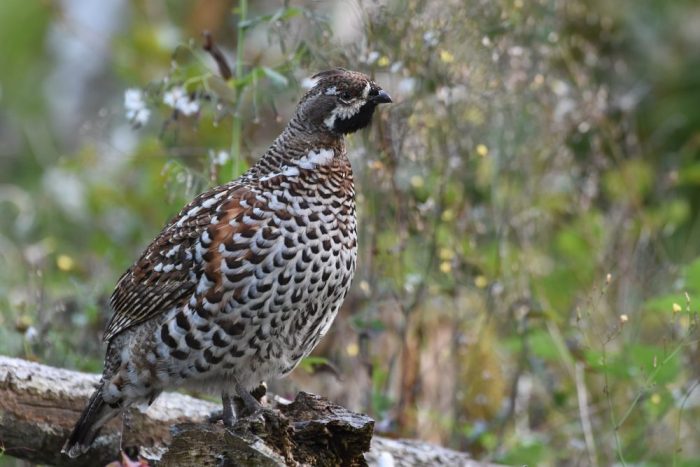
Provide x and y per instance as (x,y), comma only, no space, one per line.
(167,272)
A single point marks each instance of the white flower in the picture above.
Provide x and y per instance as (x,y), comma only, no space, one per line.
(430,38)
(406,86)
(372,57)
(31,334)
(136,110)
(396,67)
(178,99)
(219,158)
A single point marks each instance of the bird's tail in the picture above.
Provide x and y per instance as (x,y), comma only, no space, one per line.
(96,414)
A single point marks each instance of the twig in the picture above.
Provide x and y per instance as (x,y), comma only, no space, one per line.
(217,55)
(611,409)
(677,444)
(585,415)
(237,123)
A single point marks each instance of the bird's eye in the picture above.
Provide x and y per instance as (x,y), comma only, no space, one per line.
(345,95)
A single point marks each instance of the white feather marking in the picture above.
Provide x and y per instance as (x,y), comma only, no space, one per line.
(287,172)
(198,252)
(197,320)
(316,158)
(111,392)
(204,284)
(275,205)
(176,331)
(158,267)
(205,237)
(171,252)
(324,156)
(332,91)
(344,112)
(291,172)
(330,120)
(168,268)
(209,203)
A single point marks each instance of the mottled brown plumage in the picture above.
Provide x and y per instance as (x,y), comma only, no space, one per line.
(244,281)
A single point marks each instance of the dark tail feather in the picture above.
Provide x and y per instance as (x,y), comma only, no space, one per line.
(96,414)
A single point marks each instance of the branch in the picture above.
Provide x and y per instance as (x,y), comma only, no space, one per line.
(39,405)
(218,56)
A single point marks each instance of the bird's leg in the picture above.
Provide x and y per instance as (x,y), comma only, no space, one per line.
(229,413)
(259,392)
(252,406)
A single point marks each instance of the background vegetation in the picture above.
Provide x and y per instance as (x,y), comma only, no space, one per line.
(530,205)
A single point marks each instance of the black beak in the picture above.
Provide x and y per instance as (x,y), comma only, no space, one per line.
(381,98)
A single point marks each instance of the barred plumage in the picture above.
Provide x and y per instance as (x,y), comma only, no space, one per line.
(246,279)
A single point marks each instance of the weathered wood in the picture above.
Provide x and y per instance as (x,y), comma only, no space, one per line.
(40,404)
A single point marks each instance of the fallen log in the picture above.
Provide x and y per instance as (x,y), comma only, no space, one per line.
(39,405)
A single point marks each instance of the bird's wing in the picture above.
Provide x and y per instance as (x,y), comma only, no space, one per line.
(170,268)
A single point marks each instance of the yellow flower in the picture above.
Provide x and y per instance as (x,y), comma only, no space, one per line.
(448,215)
(446,254)
(446,56)
(352,349)
(383,61)
(65,262)
(482,150)
(677,308)
(417,181)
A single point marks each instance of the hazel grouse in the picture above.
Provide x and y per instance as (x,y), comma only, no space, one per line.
(245,280)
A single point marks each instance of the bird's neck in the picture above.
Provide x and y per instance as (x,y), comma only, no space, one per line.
(296,144)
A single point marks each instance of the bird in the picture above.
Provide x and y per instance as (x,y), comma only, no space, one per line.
(244,281)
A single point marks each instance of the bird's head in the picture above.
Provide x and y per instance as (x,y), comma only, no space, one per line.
(341,101)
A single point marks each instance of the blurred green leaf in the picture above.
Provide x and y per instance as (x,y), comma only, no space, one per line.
(630,182)
(277,78)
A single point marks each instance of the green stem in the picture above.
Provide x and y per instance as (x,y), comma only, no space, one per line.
(237,123)
(616,433)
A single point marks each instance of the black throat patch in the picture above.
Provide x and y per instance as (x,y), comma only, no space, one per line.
(358,121)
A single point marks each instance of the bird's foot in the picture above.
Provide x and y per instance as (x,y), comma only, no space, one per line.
(263,420)
(249,403)
(215,416)
(244,404)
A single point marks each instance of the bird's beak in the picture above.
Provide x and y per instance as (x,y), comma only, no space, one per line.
(381,98)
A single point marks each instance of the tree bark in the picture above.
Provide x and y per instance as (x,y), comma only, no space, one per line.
(39,405)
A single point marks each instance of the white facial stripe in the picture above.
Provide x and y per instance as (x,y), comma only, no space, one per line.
(330,120)
(332,91)
(366,90)
(344,112)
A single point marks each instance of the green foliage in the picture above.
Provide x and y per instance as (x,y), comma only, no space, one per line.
(529,268)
